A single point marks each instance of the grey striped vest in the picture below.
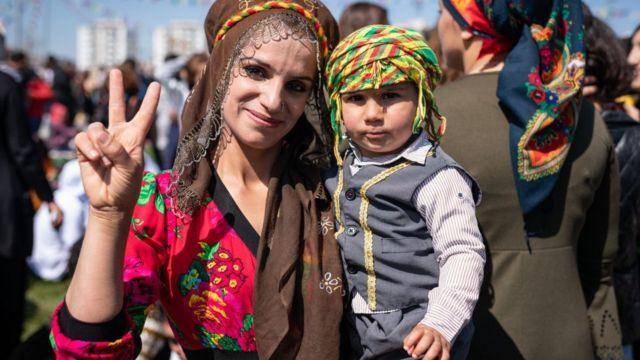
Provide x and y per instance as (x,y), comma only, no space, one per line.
(387,251)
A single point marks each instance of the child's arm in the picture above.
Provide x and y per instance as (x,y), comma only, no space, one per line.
(447,204)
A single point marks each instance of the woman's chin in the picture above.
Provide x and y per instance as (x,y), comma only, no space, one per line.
(259,141)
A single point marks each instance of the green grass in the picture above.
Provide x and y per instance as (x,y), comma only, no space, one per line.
(42,298)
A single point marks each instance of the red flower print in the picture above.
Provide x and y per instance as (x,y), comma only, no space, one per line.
(534,78)
(546,57)
(237,266)
(537,95)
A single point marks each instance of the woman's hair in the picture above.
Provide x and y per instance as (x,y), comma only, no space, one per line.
(628,43)
(606,59)
(359,15)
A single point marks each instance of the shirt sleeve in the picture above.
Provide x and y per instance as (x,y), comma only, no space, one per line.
(145,257)
(447,204)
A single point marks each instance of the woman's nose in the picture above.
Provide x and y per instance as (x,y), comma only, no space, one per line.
(272,97)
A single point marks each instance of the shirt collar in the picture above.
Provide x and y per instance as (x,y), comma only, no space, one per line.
(416,152)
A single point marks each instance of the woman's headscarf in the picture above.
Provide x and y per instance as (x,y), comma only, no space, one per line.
(230,25)
(539,86)
(298,288)
(382,55)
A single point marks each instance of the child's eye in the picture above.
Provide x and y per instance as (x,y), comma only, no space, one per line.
(354,98)
(254,71)
(390,96)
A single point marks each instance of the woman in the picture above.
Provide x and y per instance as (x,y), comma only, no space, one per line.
(631,102)
(546,165)
(240,228)
(607,64)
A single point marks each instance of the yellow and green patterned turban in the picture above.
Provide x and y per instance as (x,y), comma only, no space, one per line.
(382,55)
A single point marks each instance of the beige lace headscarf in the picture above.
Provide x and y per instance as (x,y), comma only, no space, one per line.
(234,30)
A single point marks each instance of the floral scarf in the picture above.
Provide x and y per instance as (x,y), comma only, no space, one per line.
(539,86)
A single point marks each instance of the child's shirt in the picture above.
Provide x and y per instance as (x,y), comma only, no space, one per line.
(445,201)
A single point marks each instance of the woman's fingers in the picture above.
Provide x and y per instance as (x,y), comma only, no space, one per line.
(95,131)
(109,147)
(84,147)
(144,117)
(116,98)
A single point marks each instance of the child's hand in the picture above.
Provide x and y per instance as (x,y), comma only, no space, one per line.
(427,342)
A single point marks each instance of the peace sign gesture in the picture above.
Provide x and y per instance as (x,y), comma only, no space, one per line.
(111,160)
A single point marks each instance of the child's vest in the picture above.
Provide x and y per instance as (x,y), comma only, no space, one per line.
(387,251)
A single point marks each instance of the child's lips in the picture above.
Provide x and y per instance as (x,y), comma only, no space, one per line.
(376,135)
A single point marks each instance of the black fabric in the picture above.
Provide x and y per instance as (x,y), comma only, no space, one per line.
(13,278)
(233,215)
(626,277)
(73,328)
(219,355)
(20,170)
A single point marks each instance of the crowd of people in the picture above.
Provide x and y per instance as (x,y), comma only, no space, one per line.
(487,171)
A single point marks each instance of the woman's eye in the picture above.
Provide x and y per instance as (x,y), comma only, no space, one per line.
(296,86)
(255,72)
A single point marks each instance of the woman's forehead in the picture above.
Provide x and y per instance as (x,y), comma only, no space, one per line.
(297,58)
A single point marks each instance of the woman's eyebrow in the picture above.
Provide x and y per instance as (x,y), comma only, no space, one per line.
(266,65)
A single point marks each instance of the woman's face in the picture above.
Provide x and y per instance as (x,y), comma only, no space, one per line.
(268,92)
(634,60)
(450,40)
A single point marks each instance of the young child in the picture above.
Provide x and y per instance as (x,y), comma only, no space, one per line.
(405,211)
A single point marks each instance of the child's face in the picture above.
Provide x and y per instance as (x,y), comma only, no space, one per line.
(380,121)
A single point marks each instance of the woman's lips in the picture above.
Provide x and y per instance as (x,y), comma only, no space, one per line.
(263,120)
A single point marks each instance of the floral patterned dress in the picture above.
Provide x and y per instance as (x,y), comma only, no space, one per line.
(200,267)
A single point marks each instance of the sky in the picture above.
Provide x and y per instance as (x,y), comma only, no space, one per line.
(49,26)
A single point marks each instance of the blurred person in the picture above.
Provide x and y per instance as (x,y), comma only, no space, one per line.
(52,247)
(448,74)
(20,170)
(38,93)
(3,35)
(361,14)
(607,64)
(175,91)
(177,75)
(632,102)
(20,62)
(60,82)
(546,164)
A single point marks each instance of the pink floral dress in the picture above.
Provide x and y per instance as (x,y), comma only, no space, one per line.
(200,267)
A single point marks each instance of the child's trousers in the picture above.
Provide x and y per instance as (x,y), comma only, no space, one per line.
(380,336)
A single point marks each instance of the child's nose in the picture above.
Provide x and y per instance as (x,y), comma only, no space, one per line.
(374,112)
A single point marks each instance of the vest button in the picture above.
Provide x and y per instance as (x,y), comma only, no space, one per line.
(350,194)
(351,269)
(352,231)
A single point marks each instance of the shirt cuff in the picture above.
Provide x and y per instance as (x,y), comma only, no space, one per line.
(75,329)
(444,321)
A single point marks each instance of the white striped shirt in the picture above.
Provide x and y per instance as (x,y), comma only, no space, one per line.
(445,201)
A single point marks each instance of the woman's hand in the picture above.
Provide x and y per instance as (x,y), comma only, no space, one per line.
(111,160)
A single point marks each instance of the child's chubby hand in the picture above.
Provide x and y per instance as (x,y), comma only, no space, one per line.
(428,343)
